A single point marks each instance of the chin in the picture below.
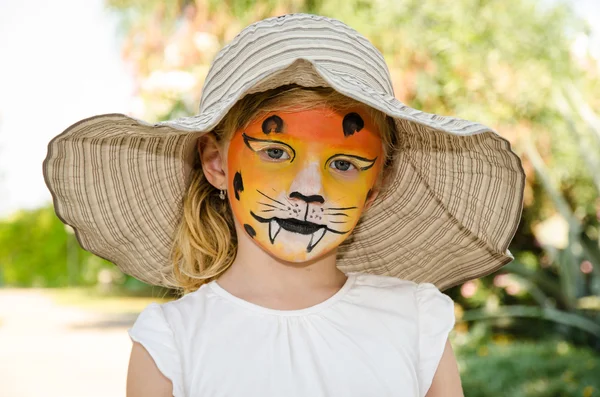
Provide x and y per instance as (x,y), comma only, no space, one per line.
(296,256)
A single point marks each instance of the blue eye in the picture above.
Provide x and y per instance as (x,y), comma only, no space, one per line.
(342,165)
(277,154)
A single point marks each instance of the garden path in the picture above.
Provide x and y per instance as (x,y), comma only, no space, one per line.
(51,350)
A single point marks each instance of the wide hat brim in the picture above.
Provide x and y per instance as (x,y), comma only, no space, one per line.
(448,216)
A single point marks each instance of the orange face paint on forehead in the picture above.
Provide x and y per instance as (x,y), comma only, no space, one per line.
(348,130)
(300,179)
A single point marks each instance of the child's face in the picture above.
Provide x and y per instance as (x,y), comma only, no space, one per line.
(299,181)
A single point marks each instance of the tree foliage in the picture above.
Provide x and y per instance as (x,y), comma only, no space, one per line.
(506,368)
(36,249)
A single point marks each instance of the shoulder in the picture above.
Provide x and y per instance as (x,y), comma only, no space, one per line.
(161,329)
(401,293)
(395,284)
(175,316)
(378,281)
(422,305)
(384,295)
(385,285)
(186,309)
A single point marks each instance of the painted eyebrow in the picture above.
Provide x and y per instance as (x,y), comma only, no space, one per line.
(360,159)
(272,123)
(248,139)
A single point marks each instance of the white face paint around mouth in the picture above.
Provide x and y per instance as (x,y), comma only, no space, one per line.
(315,237)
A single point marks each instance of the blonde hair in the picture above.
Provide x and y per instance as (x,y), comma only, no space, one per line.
(205,243)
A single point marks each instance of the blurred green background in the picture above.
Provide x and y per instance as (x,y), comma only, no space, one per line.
(530,329)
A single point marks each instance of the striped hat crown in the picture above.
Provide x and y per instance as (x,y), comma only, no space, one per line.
(266,47)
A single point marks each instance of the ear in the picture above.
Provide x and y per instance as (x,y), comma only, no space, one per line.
(212,160)
(383,180)
(376,189)
(372,196)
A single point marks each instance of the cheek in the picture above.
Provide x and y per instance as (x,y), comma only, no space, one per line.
(350,191)
(253,185)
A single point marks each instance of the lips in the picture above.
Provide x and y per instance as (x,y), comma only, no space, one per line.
(295,226)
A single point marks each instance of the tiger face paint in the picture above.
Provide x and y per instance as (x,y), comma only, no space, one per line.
(298,181)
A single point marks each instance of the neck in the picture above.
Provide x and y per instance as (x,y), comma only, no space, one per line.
(254,268)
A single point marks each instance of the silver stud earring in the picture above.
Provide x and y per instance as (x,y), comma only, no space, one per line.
(222,194)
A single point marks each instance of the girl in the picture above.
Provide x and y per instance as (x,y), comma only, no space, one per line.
(308,218)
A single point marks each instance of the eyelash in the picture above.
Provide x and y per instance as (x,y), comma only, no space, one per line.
(265,153)
(263,148)
(351,168)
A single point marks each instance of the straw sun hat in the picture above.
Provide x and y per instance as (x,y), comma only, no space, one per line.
(450,212)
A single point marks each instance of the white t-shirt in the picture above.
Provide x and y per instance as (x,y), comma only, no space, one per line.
(377,336)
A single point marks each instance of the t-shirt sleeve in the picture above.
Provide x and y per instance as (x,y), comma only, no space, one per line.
(435,311)
(152,331)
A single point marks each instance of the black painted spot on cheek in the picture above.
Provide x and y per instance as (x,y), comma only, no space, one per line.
(352,123)
(272,124)
(250,230)
(238,185)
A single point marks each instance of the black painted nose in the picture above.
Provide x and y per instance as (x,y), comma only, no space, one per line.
(315,198)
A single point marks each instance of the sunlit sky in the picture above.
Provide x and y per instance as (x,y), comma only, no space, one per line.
(60,63)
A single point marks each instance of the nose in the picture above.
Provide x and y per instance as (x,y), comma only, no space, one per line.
(315,198)
(307,185)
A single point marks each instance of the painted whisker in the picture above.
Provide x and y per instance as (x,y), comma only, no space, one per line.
(289,202)
(269,205)
(272,199)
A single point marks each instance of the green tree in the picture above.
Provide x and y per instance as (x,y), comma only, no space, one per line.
(36,249)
